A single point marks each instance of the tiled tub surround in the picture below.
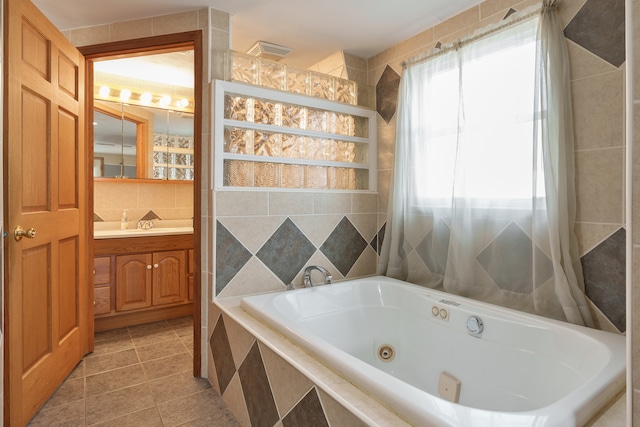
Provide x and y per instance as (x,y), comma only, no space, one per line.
(266,380)
(264,240)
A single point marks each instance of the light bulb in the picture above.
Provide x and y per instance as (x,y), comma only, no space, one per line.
(125,94)
(184,103)
(146,98)
(104,91)
(165,101)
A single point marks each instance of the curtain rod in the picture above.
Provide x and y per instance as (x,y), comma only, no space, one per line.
(515,18)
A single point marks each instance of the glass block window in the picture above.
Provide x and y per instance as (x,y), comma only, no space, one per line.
(277,139)
(243,68)
(173,157)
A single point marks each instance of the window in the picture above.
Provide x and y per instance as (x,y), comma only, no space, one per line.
(474,138)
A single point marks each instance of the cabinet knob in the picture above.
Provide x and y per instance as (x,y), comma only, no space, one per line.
(148,267)
(155,265)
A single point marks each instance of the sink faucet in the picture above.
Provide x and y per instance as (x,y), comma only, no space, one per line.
(307,275)
(145,224)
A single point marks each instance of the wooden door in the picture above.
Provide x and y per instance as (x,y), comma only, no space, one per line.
(133,281)
(169,277)
(48,327)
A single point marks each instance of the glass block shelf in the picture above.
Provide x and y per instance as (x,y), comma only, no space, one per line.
(244,68)
(275,139)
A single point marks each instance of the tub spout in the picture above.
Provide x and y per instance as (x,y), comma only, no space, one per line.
(307,275)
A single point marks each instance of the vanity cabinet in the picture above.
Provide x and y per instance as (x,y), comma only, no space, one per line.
(142,279)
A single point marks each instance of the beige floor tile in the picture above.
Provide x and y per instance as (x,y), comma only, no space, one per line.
(166,366)
(69,415)
(147,417)
(188,343)
(111,335)
(111,346)
(160,350)
(69,391)
(118,403)
(148,328)
(78,372)
(154,337)
(204,406)
(181,321)
(183,330)
(111,387)
(107,362)
(114,380)
(175,386)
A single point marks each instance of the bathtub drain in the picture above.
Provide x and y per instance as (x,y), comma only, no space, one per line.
(386,353)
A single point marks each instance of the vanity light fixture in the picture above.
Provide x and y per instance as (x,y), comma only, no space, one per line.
(134,96)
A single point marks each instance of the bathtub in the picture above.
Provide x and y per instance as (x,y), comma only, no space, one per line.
(408,346)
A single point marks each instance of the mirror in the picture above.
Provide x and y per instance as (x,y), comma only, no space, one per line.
(143,116)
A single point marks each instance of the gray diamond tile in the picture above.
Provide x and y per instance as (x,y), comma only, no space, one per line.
(231,256)
(604,278)
(308,412)
(599,28)
(222,356)
(257,391)
(286,251)
(434,248)
(376,242)
(509,261)
(344,246)
(387,93)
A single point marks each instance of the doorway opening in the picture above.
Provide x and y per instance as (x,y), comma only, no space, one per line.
(144,130)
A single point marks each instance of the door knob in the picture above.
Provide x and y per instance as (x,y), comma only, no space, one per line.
(20,232)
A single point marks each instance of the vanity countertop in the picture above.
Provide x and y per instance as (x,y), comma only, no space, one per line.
(111,229)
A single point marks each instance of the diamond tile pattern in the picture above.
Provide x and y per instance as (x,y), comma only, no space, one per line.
(604,278)
(308,406)
(286,251)
(509,261)
(344,246)
(599,28)
(438,239)
(306,413)
(510,12)
(387,93)
(376,242)
(150,215)
(257,391)
(231,256)
(221,352)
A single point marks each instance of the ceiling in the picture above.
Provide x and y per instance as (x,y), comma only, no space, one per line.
(314,30)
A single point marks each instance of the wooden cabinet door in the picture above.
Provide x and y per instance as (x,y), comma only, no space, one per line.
(133,281)
(169,277)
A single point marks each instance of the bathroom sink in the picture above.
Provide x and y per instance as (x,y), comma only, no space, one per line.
(137,232)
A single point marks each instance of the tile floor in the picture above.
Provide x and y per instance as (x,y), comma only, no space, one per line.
(137,376)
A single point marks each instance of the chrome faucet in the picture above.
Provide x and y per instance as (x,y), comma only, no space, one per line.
(307,275)
(145,224)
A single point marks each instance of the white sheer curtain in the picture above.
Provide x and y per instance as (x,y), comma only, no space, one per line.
(482,201)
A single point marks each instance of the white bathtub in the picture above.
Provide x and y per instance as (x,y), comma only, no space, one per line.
(523,370)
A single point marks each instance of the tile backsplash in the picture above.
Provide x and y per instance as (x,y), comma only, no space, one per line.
(167,200)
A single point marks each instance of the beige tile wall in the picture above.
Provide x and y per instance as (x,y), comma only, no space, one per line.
(168,201)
